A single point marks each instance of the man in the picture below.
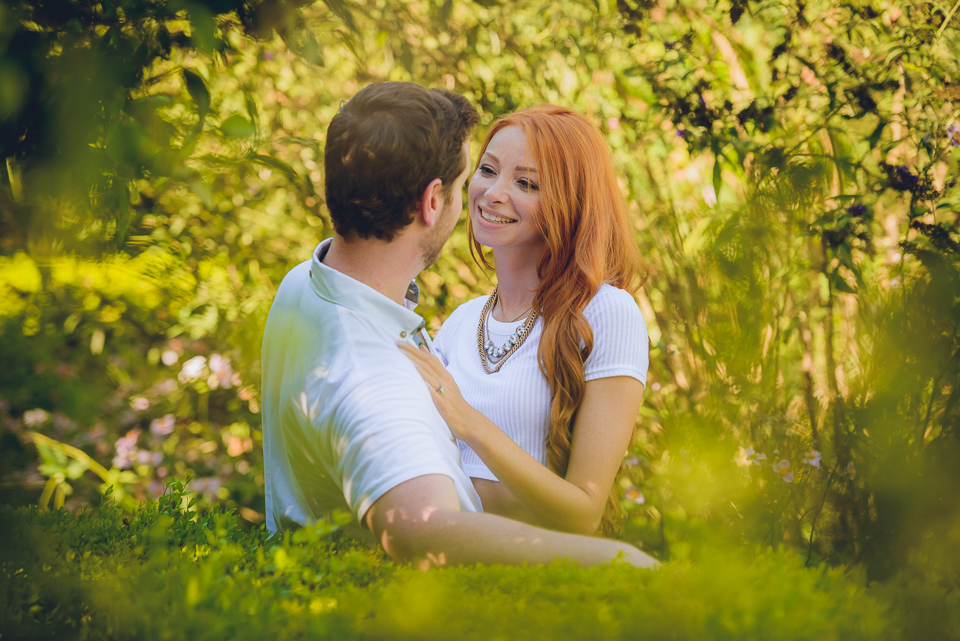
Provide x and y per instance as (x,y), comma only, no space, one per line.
(347,421)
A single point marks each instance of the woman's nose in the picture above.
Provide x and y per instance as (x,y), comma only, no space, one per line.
(497,191)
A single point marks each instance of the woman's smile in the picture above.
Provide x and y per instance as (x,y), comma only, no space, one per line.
(494,218)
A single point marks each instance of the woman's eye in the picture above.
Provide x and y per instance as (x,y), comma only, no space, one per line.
(528,185)
(486,170)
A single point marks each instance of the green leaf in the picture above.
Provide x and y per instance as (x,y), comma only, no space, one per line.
(311,51)
(717,175)
(202,190)
(123,213)
(200,94)
(340,8)
(251,105)
(875,136)
(273,163)
(204,28)
(237,127)
(841,285)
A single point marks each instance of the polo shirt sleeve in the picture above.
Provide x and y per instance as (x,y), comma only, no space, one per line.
(388,432)
(620,341)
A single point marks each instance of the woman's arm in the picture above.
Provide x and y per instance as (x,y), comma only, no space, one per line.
(497,499)
(602,431)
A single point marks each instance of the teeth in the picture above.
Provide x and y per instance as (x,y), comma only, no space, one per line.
(494,219)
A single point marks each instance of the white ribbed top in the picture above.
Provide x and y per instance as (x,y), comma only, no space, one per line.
(517,398)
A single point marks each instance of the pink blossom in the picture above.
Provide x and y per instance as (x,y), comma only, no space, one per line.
(163,426)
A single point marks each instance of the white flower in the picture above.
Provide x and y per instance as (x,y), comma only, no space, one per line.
(634,494)
(192,369)
(783,469)
(169,357)
(813,459)
(753,458)
(139,403)
(32,418)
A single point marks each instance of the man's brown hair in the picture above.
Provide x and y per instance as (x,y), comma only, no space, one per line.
(384,147)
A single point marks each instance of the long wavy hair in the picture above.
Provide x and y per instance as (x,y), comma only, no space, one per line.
(588,242)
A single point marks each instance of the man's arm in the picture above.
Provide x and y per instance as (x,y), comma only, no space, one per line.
(420,522)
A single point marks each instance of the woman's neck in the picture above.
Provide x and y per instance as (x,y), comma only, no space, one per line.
(517,282)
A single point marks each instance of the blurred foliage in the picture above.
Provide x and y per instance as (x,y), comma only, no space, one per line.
(171,571)
(791,172)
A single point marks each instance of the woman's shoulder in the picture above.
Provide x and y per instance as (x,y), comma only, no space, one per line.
(613,302)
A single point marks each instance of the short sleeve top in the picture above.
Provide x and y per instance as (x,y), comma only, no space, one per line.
(517,398)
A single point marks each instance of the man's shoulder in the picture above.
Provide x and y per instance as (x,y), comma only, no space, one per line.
(291,288)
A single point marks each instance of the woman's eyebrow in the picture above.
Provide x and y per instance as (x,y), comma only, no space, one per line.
(517,168)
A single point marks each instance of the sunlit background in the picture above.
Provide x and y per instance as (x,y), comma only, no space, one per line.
(790,169)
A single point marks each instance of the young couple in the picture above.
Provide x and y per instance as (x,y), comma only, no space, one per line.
(540,382)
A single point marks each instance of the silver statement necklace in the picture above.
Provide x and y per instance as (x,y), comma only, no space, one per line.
(492,357)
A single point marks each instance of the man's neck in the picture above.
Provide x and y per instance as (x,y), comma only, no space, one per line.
(387,267)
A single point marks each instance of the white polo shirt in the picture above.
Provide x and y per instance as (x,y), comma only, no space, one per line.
(346,416)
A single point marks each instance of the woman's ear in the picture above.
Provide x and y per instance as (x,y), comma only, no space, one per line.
(430,205)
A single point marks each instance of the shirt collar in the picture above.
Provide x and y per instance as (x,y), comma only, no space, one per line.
(340,289)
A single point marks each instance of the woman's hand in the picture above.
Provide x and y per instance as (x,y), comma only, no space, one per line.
(457,413)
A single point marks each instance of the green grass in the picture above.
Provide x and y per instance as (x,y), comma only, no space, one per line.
(167,573)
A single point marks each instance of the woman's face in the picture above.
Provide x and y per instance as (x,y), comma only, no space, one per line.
(505,194)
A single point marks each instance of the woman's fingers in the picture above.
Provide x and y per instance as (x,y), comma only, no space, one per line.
(423,359)
(424,368)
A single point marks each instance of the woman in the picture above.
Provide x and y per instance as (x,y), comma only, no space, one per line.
(545,376)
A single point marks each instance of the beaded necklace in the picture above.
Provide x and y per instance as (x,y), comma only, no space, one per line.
(492,357)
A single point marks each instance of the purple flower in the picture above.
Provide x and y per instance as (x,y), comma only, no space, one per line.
(857,209)
(953,133)
(903,179)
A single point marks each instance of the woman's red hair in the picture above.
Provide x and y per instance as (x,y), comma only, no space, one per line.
(588,242)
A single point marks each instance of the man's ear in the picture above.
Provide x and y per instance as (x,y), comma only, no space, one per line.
(430,205)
